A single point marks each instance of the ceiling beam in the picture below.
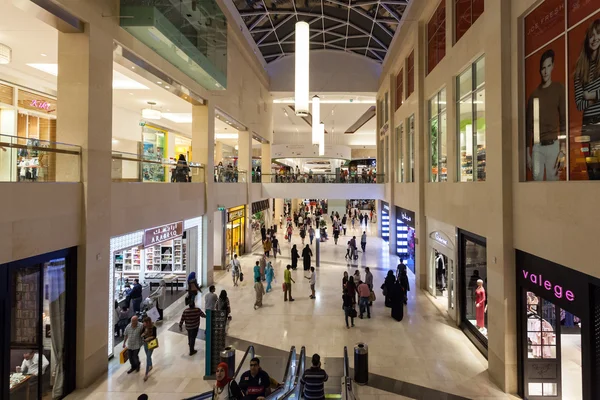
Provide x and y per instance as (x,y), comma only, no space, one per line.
(392,12)
(258,21)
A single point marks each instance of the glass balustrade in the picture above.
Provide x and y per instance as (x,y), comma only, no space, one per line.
(130,167)
(324,178)
(34,160)
(229,175)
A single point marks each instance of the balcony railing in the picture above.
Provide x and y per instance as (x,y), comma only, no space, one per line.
(226,175)
(130,167)
(324,178)
(34,160)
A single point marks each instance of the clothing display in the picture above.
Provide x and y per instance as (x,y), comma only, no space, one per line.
(480,306)
(541,336)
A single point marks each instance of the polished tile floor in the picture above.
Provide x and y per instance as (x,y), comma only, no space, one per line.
(424,350)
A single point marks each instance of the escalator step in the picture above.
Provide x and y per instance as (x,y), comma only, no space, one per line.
(333,396)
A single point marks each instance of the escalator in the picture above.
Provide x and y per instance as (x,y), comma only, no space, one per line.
(348,392)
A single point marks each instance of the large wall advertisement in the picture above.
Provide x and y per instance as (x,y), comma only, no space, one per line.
(562,90)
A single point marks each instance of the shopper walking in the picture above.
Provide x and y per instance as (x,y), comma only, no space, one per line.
(191,317)
(397,301)
(275,245)
(267,246)
(336,235)
(133,342)
(364,293)
(259,290)
(313,380)
(269,274)
(263,265)
(311,234)
(348,306)
(148,335)
(159,295)
(225,387)
(356,276)
(223,304)
(210,299)
(287,282)
(388,287)
(369,282)
(302,234)
(403,280)
(193,288)
(295,257)
(344,280)
(351,286)
(344,221)
(136,296)
(312,279)
(236,269)
(257,272)
(363,241)
(289,233)
(306,255)
(181,172)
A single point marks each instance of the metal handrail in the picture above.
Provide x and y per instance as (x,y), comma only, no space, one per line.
(136,158)
(289,366)
(299,372)
(40,140)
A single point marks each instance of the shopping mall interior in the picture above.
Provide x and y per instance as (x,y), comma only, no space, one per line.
(383,163)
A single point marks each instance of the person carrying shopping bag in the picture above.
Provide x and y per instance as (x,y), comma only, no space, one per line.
(150,342)
(160,296)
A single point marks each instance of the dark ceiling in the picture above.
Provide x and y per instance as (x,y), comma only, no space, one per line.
(359,26)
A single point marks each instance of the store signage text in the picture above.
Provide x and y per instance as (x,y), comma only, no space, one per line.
(236,215)
(405,217)
(162,233)
(41,104)
(440,239)
(557,290)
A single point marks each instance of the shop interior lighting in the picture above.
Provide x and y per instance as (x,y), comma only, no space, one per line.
(321,139)
(302,68)
(51,69)
(123,82)
(150,113)
(179,118)
(5,54)
(316,119)
(226,135)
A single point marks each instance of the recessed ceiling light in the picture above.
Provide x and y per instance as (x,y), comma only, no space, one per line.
(121,81)
(159,82)
(131,94)
(43,55)
(132,67)
(167,87)
(51,69)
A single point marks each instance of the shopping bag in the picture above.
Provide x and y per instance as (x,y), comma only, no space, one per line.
(187,300)
(153,314)
(353,313)
(285,236)
(123,356)
(153,344)
(283,286)
(241,276)
(372,297)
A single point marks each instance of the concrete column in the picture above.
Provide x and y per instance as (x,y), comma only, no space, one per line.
(266,162)
(502,348)
(203,145)
(245,153)
(218,152)
(85,118)
(278,210)
(249,238)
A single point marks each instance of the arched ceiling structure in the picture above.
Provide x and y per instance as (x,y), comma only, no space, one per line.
(364,27)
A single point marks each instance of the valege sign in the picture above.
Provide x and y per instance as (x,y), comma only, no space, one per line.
(162,233)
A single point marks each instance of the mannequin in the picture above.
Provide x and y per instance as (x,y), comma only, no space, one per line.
(480,304)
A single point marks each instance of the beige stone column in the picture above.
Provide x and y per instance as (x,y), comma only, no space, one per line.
(203,145)
(218,152)
(85,118)
(421,163)
(502,348)
(245,153)
(278,210)
(266,162)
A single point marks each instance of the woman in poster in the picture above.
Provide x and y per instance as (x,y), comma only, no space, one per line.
(587,93)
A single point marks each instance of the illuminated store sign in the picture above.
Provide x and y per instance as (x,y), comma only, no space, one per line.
(556,289)
(162,233)
(41,104)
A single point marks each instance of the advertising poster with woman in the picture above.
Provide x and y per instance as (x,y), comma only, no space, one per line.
(584,93)
(545,114)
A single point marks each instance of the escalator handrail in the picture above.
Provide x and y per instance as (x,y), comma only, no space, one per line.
(347,384)
(291,357)
(346,362)
(299,373)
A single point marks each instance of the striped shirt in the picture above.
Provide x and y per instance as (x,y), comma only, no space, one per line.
(314,380)
(191,318)
(590,108)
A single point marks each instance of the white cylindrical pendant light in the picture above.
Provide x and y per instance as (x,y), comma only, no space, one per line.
(321,139)
(302,66)
(316,119)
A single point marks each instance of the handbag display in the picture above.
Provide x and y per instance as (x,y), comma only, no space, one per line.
(153,344)
(123,356)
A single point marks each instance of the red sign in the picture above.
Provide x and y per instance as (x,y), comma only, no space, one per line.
(162,233)
(543,24)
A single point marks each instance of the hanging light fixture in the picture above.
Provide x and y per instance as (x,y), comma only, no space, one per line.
(321,139)
(316,119)
(5,54)
(302,66)
(150,113)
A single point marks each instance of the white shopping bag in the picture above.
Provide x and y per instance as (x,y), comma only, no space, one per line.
(153,314)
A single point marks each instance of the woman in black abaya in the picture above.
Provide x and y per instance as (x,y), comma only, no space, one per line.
(306,255)
(388,286)
(295,257)
(397,299)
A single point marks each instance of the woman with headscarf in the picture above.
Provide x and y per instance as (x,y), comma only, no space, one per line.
(225,388)
(345,280)
(259,289)
(351,286)
(388,286)
(267,246)
(295,257)
(181,172)
(193,288)
(159,295)
(306,255)
(397,300)
(223,303)
(269,274)
(403,280)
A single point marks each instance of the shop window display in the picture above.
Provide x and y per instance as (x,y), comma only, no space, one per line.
(436,37)
(400,152)
(437,138)
(471,123)
(410,74)
(399,88)
(411,148)
(562,91)
(153,149)
(475,285)
(541,327)
(466,12)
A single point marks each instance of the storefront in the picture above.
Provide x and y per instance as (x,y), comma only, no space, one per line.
(260,210)
(30,116)
(153,144)
(168,252)
(41,293)
(473,285)
(558,330)
(385,221)
(405,237)
(235,232)
(441,274)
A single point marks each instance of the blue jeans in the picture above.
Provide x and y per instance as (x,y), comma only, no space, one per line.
(148,357)
(364,304)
